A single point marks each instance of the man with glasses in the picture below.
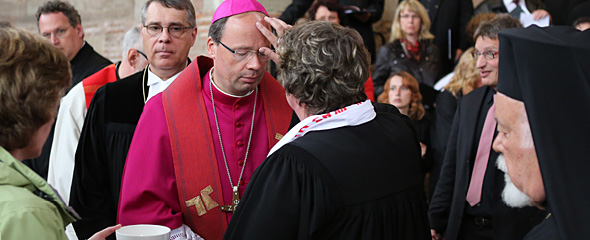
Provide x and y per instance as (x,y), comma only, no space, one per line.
(73,108)
(168,32)
(206,134)
(60,23)
(467,201)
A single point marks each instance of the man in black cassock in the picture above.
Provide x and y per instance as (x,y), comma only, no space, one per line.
(346,171)
(60,23)
(168,32)
(543,110)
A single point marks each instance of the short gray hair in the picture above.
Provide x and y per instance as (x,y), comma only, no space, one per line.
(323,65)
(132,39)
(176,4)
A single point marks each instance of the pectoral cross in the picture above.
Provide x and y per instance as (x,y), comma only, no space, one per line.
(234,202)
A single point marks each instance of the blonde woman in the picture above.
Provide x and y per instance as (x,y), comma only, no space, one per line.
(410,48)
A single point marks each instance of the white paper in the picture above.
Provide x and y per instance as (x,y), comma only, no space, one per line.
(527,20)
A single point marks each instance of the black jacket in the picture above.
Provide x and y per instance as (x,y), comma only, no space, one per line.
(393,58)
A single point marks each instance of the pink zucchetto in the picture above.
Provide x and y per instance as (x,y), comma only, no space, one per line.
(234,7)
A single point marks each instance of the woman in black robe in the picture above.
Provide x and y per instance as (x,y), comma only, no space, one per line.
(345,171)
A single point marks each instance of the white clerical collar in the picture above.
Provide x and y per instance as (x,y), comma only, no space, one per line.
(156,84)
(221,91)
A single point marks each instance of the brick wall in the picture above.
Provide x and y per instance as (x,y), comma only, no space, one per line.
(106,21)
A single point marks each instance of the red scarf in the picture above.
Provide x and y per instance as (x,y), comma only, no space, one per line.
(413,50)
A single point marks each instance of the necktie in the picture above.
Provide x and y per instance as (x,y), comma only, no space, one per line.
(481,159)
(516,11)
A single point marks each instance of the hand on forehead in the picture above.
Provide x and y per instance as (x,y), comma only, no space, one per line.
(241,30)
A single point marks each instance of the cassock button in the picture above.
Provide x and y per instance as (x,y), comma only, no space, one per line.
(243,183)
(241,163)
(237,107)
(239,124)
(239,143)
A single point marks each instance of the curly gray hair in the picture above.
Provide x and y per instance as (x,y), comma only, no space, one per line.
(323,65)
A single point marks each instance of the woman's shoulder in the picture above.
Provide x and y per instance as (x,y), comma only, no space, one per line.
(26,216)
(17,200)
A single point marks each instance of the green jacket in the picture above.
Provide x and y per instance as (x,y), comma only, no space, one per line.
(23,213)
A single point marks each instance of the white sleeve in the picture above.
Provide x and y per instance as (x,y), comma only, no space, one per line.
(184,233)
(68,126)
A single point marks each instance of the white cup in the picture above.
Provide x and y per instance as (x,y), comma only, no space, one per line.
(143,232)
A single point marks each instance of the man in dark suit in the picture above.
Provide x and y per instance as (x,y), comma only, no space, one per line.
(467,201)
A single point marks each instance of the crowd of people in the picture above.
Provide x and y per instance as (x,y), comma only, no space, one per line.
(458,127)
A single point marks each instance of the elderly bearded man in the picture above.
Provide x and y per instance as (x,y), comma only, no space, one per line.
(545,147)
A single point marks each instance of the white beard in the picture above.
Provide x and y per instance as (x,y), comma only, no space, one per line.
(511,195)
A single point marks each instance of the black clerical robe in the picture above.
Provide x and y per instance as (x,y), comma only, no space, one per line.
(102,149)
(360,182)
(85,63)
(546,230)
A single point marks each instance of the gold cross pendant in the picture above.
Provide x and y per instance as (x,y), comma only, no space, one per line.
(234,202)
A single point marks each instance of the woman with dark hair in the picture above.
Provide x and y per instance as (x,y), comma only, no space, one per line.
(326,10)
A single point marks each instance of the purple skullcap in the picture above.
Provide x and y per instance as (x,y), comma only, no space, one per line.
(229,8)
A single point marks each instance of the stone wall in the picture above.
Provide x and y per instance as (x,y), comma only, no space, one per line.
(106,21)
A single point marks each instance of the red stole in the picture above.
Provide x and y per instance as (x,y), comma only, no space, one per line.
(97,80)
(197,178)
